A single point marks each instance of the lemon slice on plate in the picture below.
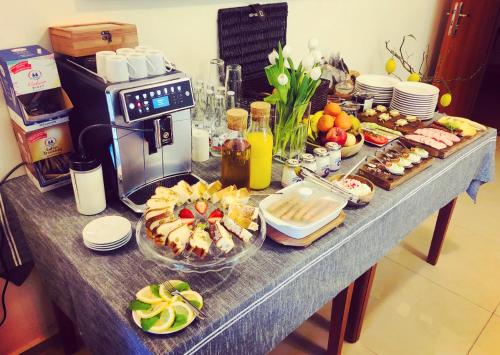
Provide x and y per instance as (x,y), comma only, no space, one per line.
(167,318)
(165,295)
(155,309)
(146,295)
(184,315)
(180,285)
(194,298)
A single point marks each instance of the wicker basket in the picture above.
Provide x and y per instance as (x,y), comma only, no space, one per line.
(320,97)
(247,35)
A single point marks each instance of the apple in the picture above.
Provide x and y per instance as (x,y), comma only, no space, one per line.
(351,140)
(336,135)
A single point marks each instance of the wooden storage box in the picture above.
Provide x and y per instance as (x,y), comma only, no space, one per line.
(87,39)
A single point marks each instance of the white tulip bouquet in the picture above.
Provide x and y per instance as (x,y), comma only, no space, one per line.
(293,90)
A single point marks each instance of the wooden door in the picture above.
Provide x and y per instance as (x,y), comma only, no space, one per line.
(468,37)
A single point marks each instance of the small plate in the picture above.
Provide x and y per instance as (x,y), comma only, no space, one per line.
(137,321)
(106,230)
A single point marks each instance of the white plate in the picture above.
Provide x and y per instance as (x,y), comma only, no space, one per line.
(96,248)
(300,230)
(416,88)
(376,80)
(106,230)
(137,321)
(128,236)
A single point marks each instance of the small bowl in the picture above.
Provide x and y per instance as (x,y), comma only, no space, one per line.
(365,199)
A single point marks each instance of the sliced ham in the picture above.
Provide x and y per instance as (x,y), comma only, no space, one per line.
(426,140)
(436,136)
(453,137)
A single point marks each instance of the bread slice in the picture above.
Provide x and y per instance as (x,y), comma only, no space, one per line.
(163,230)
(178,239)
(211,189)
(199,243)
(183,191)
(234,228)
(223,239)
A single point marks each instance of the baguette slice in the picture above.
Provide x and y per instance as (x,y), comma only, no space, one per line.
(178,239)
(234,228)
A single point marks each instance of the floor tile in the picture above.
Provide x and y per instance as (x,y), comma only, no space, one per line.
(409,314)
(489,341)
(467,265)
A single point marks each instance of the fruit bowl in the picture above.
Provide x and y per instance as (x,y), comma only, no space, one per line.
(345,152)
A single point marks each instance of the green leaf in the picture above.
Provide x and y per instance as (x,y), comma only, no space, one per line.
(412,36)
(137,305)
(182,286)
(195,303)
(147,323)
(180,321)
(155,289)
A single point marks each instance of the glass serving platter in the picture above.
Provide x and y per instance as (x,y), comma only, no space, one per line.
(215,260)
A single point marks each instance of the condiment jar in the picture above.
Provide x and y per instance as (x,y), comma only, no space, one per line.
(308,161)
(334,156)
(288,175)
(322,161)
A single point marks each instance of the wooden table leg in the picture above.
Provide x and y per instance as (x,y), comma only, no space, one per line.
(338,320)
(67,331)
(440,229)
(360,297)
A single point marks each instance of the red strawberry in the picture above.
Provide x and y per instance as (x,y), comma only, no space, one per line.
(215,215)
(185,213)
(201,206)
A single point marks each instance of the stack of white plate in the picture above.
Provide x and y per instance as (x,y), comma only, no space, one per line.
(415,99)
(380,86)
(107,233)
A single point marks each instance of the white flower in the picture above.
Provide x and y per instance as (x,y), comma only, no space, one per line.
(287,51)
(308,62)
(273,57)
(282,79)
(315,73)
(316,54)
(313,43)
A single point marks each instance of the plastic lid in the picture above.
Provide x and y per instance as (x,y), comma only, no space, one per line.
(77,162)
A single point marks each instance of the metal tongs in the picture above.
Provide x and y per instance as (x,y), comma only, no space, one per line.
(305,173)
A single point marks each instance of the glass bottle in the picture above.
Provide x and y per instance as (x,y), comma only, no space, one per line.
(234,82)
(219,126)
(215,74)
(260,137)
(230,100)
(209,110)
(235,165)
(200,100)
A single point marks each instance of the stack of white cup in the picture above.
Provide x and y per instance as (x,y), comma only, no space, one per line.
(131,63)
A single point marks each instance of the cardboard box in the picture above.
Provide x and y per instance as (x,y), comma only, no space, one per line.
(44,143)
(31,84)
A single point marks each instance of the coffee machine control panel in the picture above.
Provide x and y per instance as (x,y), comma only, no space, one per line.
(146,102)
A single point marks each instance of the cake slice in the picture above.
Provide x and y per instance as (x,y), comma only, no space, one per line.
(178,239)
(244,210)
(183,191)
(167,194)
(219,195)
(222,238)
(243,196)
(234,228)
(199,190)
(154,218)
(212,189)
(199,243)
(163,230)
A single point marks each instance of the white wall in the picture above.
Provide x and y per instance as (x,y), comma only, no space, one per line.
(187,31)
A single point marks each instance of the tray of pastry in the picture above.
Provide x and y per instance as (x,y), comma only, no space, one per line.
(391,119)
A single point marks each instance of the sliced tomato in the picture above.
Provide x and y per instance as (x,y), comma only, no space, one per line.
(375,138)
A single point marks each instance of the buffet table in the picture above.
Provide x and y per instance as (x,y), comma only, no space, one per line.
(252,308)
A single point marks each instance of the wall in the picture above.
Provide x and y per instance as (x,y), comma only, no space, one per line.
(186,30)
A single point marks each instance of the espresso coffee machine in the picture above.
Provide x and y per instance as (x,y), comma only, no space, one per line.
(134,162)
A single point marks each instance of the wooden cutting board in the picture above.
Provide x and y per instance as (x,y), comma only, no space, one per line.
(446,152)
(391,123)
(390,182)
(284,239)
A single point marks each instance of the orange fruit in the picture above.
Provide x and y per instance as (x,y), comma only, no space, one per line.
(332,109)
(325,123)
(343,121)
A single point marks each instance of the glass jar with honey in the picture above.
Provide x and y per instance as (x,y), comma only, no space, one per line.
(235,165)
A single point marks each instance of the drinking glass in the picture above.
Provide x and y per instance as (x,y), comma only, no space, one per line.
(233,81)
(215,74)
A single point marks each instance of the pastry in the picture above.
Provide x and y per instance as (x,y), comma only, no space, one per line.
(178,238)
(200,242)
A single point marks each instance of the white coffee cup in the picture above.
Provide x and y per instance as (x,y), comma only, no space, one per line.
(117,68)
(142,49)
(125,51)
(139,65)
(100,59)
(158,61)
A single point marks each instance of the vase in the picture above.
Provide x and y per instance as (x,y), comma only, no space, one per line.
(290,132)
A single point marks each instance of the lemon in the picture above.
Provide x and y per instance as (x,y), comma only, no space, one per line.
(180,285)
(167,318)
(183,316)
(194,298)
(155,309)
(445,100)
(147,296)
(390,66)
(164,294)
(414,77)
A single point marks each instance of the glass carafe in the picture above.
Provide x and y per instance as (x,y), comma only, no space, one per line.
(235,164)
(234,82)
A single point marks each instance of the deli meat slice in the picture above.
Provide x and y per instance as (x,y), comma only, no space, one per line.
(434,135)
(426,140)
(453,137)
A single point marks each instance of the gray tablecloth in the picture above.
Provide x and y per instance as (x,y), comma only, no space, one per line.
(263,299)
